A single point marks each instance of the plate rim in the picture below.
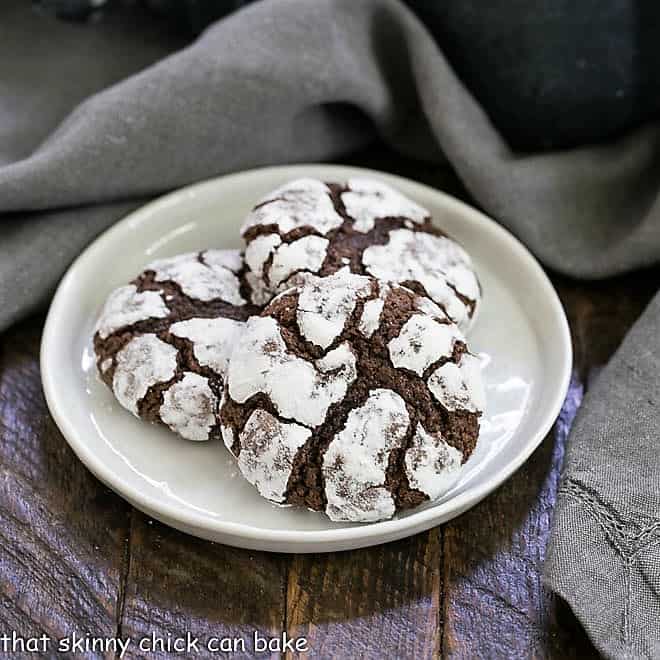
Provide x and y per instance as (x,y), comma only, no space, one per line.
(299,540)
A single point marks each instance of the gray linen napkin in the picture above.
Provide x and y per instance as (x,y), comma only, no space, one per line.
(292,80)
(604,554)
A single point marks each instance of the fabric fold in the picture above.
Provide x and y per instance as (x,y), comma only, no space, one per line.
(36,248)
(604,553)
(231,101)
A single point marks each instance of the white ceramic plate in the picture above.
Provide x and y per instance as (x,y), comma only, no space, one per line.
(521,333)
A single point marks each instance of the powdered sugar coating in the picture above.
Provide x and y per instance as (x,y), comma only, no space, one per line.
(306,254)
(459,387)
(126,305)
(144,362)
(227,259)
(427,306)
(213,340)
(259,250)
(260,293)
(355,463)
(439,264)
(140,342)
(325,237)
(261,364)
(267,449)
(421,342)
(368,200)
(201,280)
(326,303)
(300,203)
(432,465)
(358,462)
(190,407)
(370,319)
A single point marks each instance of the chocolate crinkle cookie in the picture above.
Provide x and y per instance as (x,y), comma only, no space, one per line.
(163,342)
(315,227)
(350,395)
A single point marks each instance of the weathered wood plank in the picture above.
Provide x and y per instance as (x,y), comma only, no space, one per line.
(495,604)
(606,312)
(378,602)
(177,584)
(62,533)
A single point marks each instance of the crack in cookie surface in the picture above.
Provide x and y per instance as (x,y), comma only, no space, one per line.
(162,342)
(372,449)
(373,230)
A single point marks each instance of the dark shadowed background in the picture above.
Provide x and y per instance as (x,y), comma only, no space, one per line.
(550,73)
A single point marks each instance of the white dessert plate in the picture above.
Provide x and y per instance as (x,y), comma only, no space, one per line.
(521,334)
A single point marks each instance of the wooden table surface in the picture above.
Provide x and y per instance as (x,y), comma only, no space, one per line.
(76,558)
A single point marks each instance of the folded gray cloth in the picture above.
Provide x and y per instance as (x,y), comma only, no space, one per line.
(292,80)
(47,68)
(604,554)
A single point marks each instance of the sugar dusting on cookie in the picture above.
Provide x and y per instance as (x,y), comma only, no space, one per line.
(300,203)
(459,387)
(421,342)
(300,389)
(437,263)
(126,305)
(190,407)
(368,200)
(268,448)
(306,254)
(326,303)
(432,465)
(213,340)
(200,280)
(178,338)
(355,463)
(145,361)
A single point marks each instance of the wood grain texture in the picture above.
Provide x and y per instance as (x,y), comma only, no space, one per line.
(178,584)
(495,604)
(603,312)
(62,533)
(380,602)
